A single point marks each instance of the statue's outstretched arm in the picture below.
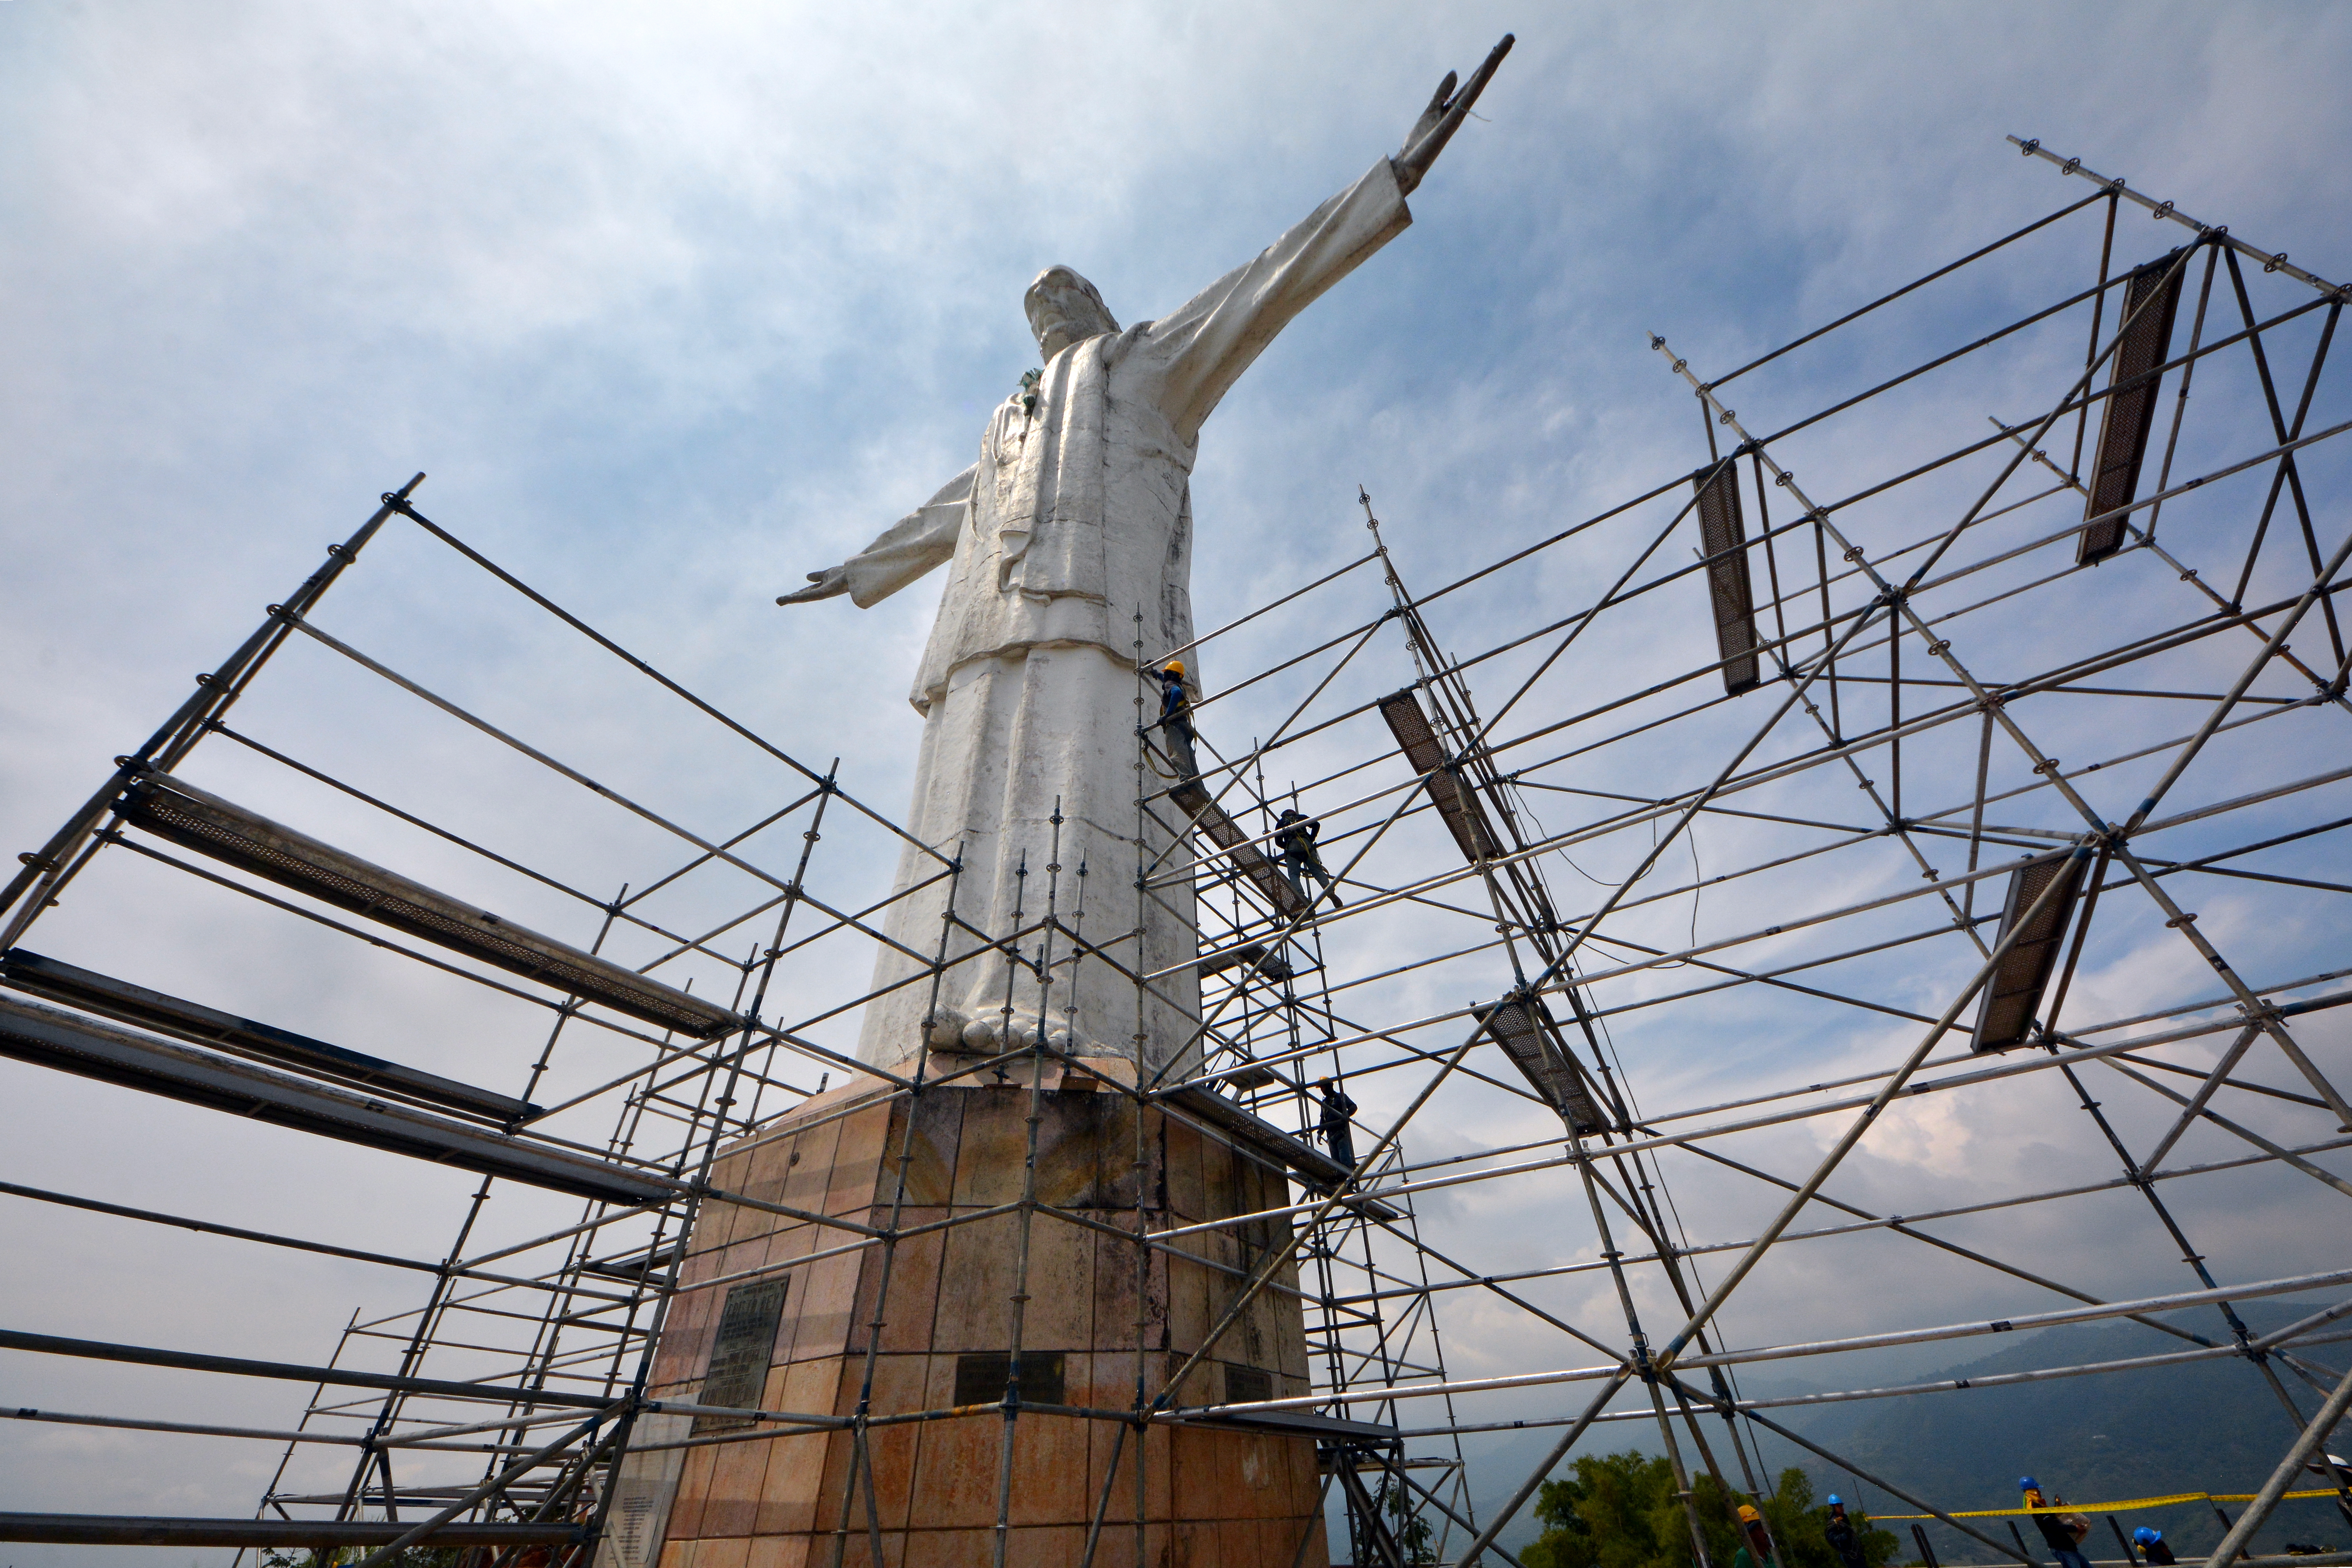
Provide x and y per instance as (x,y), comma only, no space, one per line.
(1203,347)
(923,539)
(1439,122)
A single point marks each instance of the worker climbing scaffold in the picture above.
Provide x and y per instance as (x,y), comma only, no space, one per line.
(1176,719)
(1339,1135)
(1294,835)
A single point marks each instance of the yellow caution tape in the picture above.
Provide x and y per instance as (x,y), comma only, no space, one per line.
(2127,1505)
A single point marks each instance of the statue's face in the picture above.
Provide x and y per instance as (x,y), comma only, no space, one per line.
(1064,310)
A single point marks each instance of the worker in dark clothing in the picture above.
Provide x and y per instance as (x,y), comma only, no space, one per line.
(1755,1546)
(2152,1547)
(1339,1137)
(2057,1529)
(1842,1538)
(1176,719)
(1294,834)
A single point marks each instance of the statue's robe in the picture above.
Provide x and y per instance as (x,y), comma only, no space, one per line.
(1076,517)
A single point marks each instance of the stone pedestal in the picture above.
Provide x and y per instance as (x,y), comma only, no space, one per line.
(1213,1498)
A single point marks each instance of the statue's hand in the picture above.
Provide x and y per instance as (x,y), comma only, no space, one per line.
(825,585)
(1444,116)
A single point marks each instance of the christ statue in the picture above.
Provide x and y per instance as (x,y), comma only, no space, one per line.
(1076,521)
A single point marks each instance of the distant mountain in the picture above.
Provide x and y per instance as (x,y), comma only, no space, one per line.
(2208,1426)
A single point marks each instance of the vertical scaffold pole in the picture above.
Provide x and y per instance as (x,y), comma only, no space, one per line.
(1142,1110)
(861,1468)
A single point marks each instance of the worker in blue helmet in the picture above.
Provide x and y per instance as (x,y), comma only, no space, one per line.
(2063,1531)
(2152,1547)
(1839,1530)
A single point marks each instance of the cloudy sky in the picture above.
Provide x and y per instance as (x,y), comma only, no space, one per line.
(677,304)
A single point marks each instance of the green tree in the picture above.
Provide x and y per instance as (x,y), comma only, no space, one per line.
(1620,1511)
(1614,1510)
(1800,1529)
(414,1557)
(1409,1528)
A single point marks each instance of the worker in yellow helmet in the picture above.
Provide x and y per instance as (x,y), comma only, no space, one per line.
(1176,719)
(1755,1542)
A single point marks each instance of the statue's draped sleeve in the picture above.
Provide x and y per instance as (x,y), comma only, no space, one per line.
(923,539)
(1203,349)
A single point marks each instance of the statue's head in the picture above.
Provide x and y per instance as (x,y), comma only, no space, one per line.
(1064,308)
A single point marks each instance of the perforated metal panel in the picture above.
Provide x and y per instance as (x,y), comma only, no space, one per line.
(2013,996)
(1723,532)
(1523,1027)
(2150,299)
(1456,802)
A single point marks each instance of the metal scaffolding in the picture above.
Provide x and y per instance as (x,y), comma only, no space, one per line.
(1940,617)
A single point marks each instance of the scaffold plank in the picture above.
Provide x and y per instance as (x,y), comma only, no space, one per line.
(1723,539)
(1256,955)
(1194,796)
(1271,1142)
(69,1042)
(636,1268)
(1455,801)
(119,999)
(1524,1027)
(2151,296)
(141,1530)
(291,1371)
(196,820)
(2013,994)
(1293,1423)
